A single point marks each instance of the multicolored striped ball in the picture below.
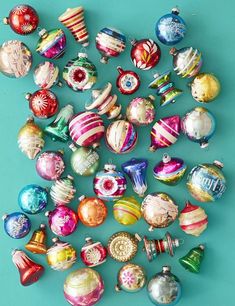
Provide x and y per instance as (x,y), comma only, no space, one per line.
(127,211)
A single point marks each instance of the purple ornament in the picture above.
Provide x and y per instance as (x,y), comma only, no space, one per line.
(62,220)
(16,225)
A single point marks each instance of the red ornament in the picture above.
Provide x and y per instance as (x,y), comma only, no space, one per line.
(43,103)
(127,82)
(93,253)
(145,53)
(23,19)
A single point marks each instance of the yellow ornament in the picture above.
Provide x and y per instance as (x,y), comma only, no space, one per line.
(127,211)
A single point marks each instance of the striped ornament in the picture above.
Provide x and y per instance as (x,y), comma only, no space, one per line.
(165,132)
(127,211)
(86,129)
(73,19)
(193,219)
(121,137)
(62,191)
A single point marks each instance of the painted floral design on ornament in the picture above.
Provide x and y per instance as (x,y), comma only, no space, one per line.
(150,48)
(128,279)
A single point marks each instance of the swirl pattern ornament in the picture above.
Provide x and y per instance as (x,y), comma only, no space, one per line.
(62,191)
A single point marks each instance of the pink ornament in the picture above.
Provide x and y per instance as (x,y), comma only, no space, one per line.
(50,165)
(86,129)
(127,82)
(93,253)
(62,220)
(165,132)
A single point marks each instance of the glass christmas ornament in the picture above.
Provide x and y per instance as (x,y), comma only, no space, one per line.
(165,88)
(50,165)
(37,243)
(52,44)
(62,220)
(170,170)
(164,288)
(136,169)
(84,161)
(155,247)
(165,132)
(43,103)
(58,129)
(15,59)
(62,191)
(206,182)
(104,102)
(83,287)
(126,211)
(93,253)
(86,129)
(30,139)
(123,246)
(46,75)
(159,210)
(199,125)
(110,42)
(140,111)
(187,61)
(92,211)
(192,261)
(80,73)
(61,255)
(131,278)
(16,225)
(193,219)
(33,199)
(170,29)
(127,82)
(30,271)
(205,87)
(145,53)
(121,137)
(109,184)
(73,20)
(23,19)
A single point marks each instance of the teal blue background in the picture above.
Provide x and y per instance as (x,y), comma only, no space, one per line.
(210,29)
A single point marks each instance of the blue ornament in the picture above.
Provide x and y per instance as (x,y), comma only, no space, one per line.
(17,225)
(170,28)
(33,199)
(136,170)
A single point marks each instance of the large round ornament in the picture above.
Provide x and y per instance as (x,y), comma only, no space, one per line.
(61,255)
(46,75)
(145,53)
(30,139)
(50,165)
(51,44)
(159,210)
(93,253)
(164,288)
(92,211)
(63,191)
(33,199)
(205,87)
(15,59)
(141,111)
(83,287)
(206,182)
(170,170)
(127,211)
(187,61)
(109,184)
(193,219)
(23,19)
(199,125)
(131,278)
(86,129)
(170,28)
(80,73)
(127,82)
(121,137)
(43,103)
(62,220)
(16,225)
(165,132)
(110,42)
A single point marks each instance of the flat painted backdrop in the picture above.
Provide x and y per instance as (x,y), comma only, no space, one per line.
(210,25)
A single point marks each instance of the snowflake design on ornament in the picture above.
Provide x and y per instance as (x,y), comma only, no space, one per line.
(172,28)
(61,221)
(128,278)
(19,9)
(59,167)
(40,102)
(18,225)
(26,28)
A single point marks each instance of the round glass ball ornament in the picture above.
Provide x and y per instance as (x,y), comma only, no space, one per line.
(127,211)
(16,225)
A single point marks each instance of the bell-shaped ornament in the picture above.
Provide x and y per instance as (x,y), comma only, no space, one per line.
(192,261)
(37,243)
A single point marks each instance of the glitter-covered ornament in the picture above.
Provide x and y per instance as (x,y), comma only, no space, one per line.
(46,75)
(127,82)
(37,243)
(126,211)
(16,225)
(30,139)
(63,191)
(109,184)
(93,253)
(192,261)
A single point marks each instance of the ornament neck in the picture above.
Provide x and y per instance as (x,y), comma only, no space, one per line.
(5,20)
(166,269)
(119,69)
(175,11)
(166,158)
(218,164)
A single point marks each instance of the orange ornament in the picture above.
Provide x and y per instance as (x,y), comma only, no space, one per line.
(92,211)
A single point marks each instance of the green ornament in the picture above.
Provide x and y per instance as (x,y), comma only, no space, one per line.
(192,261)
